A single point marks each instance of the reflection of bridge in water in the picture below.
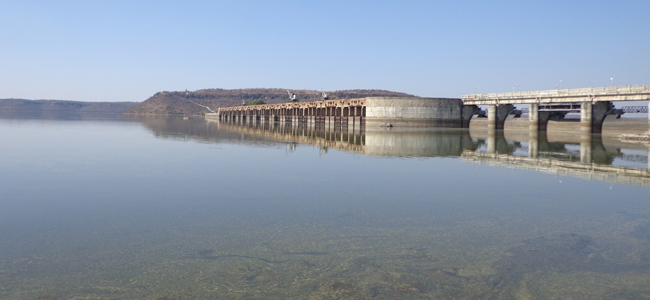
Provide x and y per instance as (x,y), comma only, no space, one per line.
(607,173)
(591,158)
(581,155)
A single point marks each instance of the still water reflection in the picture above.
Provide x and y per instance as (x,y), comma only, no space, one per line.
(164,208)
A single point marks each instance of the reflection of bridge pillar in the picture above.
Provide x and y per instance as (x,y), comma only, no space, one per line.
(585,148)
(533,144)
(491,141)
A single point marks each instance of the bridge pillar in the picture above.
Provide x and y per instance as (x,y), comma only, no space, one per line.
(586,116)
(593,115)
(497,115)
(533,117)
(492,117)
(538,120)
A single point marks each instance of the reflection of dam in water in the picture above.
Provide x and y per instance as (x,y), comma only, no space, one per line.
(387,142)
(353,141)
(581,155)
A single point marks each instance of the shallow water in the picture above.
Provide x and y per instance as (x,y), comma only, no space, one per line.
(166,208)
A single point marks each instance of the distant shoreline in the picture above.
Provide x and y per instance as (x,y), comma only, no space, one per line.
(60,106)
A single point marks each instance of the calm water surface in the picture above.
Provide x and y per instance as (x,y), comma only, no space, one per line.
(166,208)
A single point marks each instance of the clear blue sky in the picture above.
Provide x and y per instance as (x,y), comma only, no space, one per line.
(129,50)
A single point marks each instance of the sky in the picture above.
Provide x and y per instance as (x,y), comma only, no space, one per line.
(129,50)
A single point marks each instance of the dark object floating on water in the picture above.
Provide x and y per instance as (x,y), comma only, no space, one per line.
(385,125)
(307,253)
(306,263)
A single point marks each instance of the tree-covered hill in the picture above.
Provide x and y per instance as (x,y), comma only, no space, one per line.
(193,103)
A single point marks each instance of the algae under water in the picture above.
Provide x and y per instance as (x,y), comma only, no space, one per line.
(152,209)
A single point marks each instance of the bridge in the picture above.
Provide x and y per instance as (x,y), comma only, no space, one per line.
(594,104)
(625,109)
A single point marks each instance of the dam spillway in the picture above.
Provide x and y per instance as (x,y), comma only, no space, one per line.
(356,113)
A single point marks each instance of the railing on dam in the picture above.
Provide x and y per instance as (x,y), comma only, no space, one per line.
(608,93)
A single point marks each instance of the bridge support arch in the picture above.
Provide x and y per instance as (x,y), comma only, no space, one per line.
(497,115)
(592,115)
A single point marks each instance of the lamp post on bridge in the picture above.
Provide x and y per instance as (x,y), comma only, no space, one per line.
(612,79)
(557,86)
(513,88)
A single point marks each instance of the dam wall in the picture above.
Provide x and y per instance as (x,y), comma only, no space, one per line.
(368,112)
(417,112)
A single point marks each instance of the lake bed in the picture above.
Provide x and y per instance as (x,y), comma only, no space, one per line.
(166,208)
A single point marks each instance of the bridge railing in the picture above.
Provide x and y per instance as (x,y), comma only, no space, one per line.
(595,91)
(635,109)
(626,109)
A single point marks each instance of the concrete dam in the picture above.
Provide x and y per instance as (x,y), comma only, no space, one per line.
(367,112)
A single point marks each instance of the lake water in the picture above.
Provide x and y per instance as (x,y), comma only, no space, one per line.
(166,208)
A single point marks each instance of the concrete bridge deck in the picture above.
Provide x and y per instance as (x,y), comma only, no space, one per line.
(593,94)
(594,104)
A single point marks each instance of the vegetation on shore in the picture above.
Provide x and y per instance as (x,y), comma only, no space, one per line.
(192,103)
(184,102)
(256,102)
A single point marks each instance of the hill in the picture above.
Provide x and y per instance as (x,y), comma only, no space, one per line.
(192,103)
(41,106)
